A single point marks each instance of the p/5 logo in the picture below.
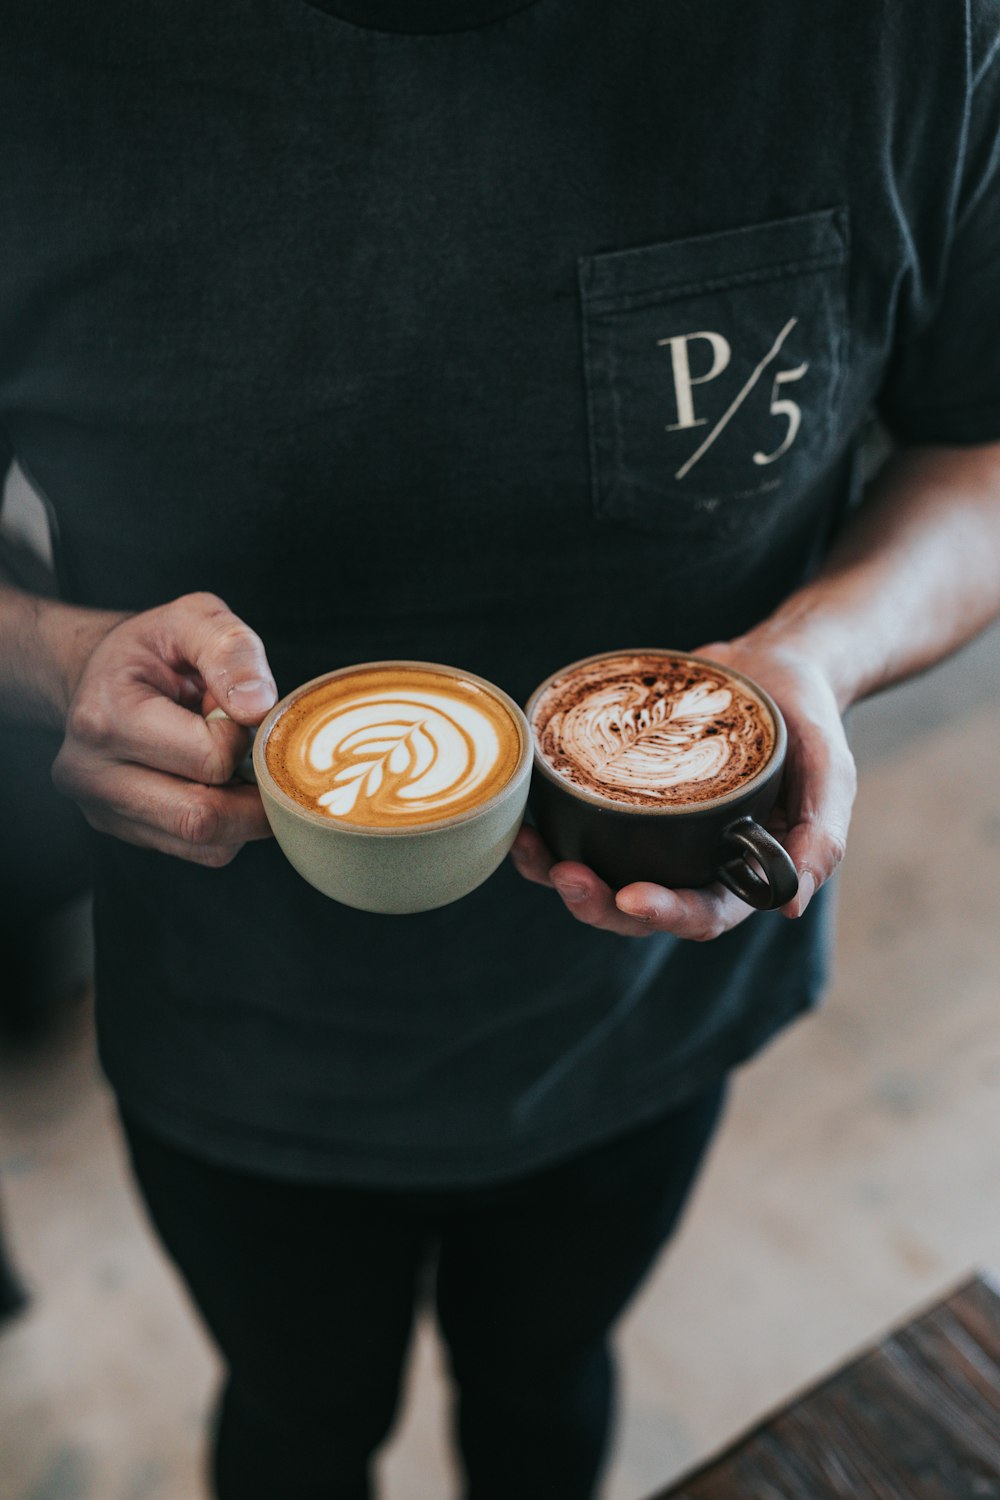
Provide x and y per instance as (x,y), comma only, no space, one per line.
(781,406)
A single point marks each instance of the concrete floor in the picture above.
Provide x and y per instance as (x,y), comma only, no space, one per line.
(855,1176)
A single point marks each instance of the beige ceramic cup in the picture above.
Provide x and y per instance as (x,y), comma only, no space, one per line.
(395,870)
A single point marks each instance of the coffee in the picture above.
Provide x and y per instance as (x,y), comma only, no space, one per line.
(660,766)
(652,729)
(394,786)
(394,746)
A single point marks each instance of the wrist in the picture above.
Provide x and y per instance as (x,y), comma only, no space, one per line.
(803,631)
(46,646)
(69,636)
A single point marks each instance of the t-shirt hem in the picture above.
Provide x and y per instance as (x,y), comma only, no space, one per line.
(458,1165)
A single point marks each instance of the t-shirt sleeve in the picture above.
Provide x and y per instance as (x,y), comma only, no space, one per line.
(944,383)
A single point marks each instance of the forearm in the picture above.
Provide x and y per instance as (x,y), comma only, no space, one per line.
(43,646)
(915,574)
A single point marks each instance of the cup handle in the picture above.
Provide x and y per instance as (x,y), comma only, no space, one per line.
(244,770)
(780,880)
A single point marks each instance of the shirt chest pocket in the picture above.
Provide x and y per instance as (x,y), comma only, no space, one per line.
(714,368)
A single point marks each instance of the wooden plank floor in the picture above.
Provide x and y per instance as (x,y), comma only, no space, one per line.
(915,1418)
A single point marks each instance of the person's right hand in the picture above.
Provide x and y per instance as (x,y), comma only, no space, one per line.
(139,755)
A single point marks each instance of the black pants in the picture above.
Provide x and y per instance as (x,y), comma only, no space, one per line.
(310,1291)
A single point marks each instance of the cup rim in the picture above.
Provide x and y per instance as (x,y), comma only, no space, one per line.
(633,809)
(267,783)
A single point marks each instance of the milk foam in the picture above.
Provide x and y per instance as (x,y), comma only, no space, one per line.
(653,730)
(393,746)
(398,751)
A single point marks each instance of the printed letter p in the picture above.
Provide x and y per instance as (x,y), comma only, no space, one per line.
(684,380)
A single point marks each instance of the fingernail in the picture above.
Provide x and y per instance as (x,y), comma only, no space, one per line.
(572,892)
(253,688)
(807,889)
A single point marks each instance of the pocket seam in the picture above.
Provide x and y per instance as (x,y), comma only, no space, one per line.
(636,270)
(783,271)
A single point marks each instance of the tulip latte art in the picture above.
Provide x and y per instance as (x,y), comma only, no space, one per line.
(653,730)
(393,747)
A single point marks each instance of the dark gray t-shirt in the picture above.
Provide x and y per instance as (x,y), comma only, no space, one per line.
(541,330)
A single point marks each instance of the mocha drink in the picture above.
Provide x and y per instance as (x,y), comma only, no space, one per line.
(652,730)
(657,765)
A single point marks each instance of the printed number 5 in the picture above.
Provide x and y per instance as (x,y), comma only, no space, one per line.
(784,408)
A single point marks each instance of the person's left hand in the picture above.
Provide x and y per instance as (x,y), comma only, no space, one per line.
(811,818)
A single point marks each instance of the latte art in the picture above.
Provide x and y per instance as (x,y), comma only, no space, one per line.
(653,730)
(393,747)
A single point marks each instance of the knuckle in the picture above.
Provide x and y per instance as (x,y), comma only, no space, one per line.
(829,838)
(233,644)
(231,635)
(198,822)
(89,721)
(204,602)
(835,847)
(217,764)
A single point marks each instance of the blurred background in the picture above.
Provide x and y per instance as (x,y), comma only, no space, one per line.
(854,1178)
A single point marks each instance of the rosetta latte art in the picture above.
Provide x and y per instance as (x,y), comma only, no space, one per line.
(394,752)
(653,730)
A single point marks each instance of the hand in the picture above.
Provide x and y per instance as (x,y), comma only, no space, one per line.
(811,820)
(139,756)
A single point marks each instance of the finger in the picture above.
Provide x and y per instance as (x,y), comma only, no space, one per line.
(591,901)
(587,897)
(201,631)
(820,787)
(696,915)
(152,731)
(642,909)
(187,811)
(531,857)
(138,722)
(142,836)
(190,692)
(638,910)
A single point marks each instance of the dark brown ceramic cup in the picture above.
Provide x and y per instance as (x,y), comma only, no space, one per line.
(678,844)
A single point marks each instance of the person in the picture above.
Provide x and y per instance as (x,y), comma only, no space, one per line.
(493,333)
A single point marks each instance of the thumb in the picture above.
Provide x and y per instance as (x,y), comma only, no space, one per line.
(228,656)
